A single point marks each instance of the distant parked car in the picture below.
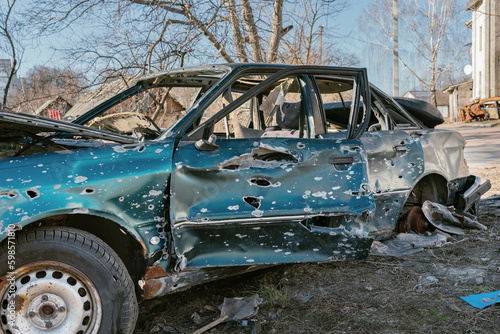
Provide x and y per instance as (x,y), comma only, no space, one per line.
(255,165)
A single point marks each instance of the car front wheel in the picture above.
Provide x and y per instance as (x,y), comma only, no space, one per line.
(64,281)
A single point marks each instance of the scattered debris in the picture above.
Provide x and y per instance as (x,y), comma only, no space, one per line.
(415,230)
(252,323)
(447,220)
(409,243)
(483,300)
(307,298)
(240,308)
(196,318)
(234,310)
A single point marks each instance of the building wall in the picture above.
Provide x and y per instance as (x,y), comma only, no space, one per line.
(460,95)
(486,49)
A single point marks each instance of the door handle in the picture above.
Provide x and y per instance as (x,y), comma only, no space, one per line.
(400,148)
(343,159)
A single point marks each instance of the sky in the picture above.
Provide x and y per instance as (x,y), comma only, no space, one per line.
(344,27)
(41,52)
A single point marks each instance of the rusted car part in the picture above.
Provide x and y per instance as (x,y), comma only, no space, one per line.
(480,110)
(471,113)
(265,164)
(434,215)
(180,281)
(415,221)
(154,271)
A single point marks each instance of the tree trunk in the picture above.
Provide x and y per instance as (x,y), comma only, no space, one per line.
(276,31)
(253,34)
(239,41)
(434,97)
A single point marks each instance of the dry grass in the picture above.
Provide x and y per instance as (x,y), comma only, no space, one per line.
(380,295)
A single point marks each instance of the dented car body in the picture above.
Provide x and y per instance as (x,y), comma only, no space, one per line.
(266,164)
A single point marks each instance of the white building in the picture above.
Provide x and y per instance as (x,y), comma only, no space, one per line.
(485,48)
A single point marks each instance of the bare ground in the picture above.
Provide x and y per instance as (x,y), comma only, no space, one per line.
(419,293)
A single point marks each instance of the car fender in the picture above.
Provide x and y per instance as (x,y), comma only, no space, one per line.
(123,183)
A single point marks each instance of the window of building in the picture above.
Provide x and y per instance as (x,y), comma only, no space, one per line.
(480,38)
(480,83)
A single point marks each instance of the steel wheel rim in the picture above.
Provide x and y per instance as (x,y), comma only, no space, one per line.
(50,297)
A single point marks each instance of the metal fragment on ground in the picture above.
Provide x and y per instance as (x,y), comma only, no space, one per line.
(240,308)
(409,243)
(447,220)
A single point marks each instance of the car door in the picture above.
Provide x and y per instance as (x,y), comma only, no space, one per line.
(395,162)
(286,195)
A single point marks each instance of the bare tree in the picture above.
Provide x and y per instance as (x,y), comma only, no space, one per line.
(427,32)
(149,35)
(10,36)
(310,42)
(174,25)
(43,83)
(130,37)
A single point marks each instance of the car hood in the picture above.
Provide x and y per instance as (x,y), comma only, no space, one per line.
(16,124)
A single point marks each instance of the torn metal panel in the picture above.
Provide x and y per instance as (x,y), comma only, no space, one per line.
(447,220)
(123,183)
(263,181)
(388,207)
(405,244)
(473,190)
(239,308)
(296,177)
(206,245)
(176,282)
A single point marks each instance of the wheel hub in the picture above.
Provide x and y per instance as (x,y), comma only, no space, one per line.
(53,298)
(47,310)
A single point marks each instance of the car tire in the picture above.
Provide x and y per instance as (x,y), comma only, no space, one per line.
(65,281)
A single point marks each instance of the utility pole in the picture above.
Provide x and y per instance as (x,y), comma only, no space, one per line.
(395,48)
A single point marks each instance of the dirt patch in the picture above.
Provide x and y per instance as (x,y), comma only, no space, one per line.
(419,293)
(489,172)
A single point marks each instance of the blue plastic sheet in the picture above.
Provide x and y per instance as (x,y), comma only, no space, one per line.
(483,300)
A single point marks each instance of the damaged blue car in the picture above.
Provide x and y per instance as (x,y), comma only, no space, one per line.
(195,174)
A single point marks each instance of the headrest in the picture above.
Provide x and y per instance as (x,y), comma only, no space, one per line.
(288,115)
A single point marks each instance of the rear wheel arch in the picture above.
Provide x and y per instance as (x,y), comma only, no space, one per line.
(432,187)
